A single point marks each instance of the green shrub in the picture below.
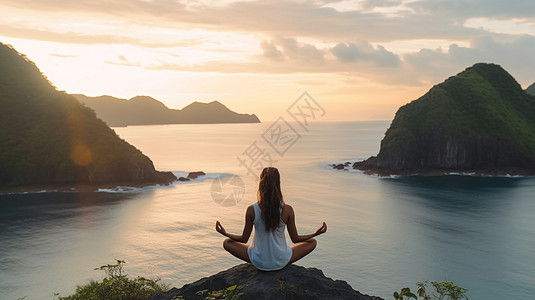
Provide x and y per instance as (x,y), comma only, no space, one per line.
(446,290)
(233,292)
(118,286)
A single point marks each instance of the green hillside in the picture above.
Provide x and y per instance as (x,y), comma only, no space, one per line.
(480,119)
(531,89)
(49,137)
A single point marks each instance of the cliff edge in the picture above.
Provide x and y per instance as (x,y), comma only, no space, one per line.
(292,282)
(479,121)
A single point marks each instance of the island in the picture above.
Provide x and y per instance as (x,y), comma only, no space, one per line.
(145,110)
(479,121)
(48,138)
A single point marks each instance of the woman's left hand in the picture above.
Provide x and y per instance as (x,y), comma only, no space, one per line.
(321,230)
(219,228)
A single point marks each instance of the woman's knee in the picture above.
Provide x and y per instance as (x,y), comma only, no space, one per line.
(226,244)
(313,243)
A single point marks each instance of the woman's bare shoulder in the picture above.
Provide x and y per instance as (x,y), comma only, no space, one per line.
(250,211)
(287,209)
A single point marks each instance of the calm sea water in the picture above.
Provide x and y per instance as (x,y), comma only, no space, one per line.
(383,233)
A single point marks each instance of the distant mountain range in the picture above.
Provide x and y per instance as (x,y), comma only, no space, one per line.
(144,110)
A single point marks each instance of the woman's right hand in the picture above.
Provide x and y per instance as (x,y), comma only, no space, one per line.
(219,228)
(321,230)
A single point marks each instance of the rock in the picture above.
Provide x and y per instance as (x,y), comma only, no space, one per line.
(292,282)
(183,178)
(479,121)
(338,166)
(194,175)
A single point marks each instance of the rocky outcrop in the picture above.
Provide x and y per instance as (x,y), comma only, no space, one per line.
(194,175)
(340,166)
(477,121)
(292,282)
(191,176)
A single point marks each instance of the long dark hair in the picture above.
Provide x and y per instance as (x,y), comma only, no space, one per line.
(270,197)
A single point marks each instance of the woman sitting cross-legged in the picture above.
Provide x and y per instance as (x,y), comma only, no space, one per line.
(269,216)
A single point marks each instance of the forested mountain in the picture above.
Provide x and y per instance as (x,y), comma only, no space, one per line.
(48,137)
(479,120)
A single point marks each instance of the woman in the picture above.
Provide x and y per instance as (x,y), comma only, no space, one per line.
(269,216)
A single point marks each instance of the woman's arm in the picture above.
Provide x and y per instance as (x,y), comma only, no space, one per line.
(289,215)
(247,229)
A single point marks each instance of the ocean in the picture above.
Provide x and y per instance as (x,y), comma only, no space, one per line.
(384,233)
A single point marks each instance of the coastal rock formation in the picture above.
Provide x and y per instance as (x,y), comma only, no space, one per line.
(292,282)
(191,175)
(340,166)
(144,110)
(194,175)
(47,137)
(477,121)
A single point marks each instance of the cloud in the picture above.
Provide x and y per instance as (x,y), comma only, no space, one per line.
(464,9)
(351,52)
(361,59)
(122,61)
(515,55)
(89,39)
(271,51)
(64,55)
(293,50)
(272,18)
(344,41)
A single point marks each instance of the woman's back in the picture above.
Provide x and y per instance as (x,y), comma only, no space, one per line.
(269,250)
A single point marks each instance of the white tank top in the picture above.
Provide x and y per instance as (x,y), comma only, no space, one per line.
(269,251)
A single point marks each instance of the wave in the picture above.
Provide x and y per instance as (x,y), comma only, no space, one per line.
(207,176)
(178,174)
(40,191)
(125,189)
(349,169)
(485,175)
(120,189)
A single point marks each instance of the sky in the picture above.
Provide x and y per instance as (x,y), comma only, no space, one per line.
(359,59)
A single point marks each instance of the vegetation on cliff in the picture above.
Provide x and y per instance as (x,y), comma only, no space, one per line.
(246,282)
(478,120)
(49,137)
(531,89)
(117,285)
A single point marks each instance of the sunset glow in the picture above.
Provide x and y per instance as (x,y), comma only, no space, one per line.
(360,59)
